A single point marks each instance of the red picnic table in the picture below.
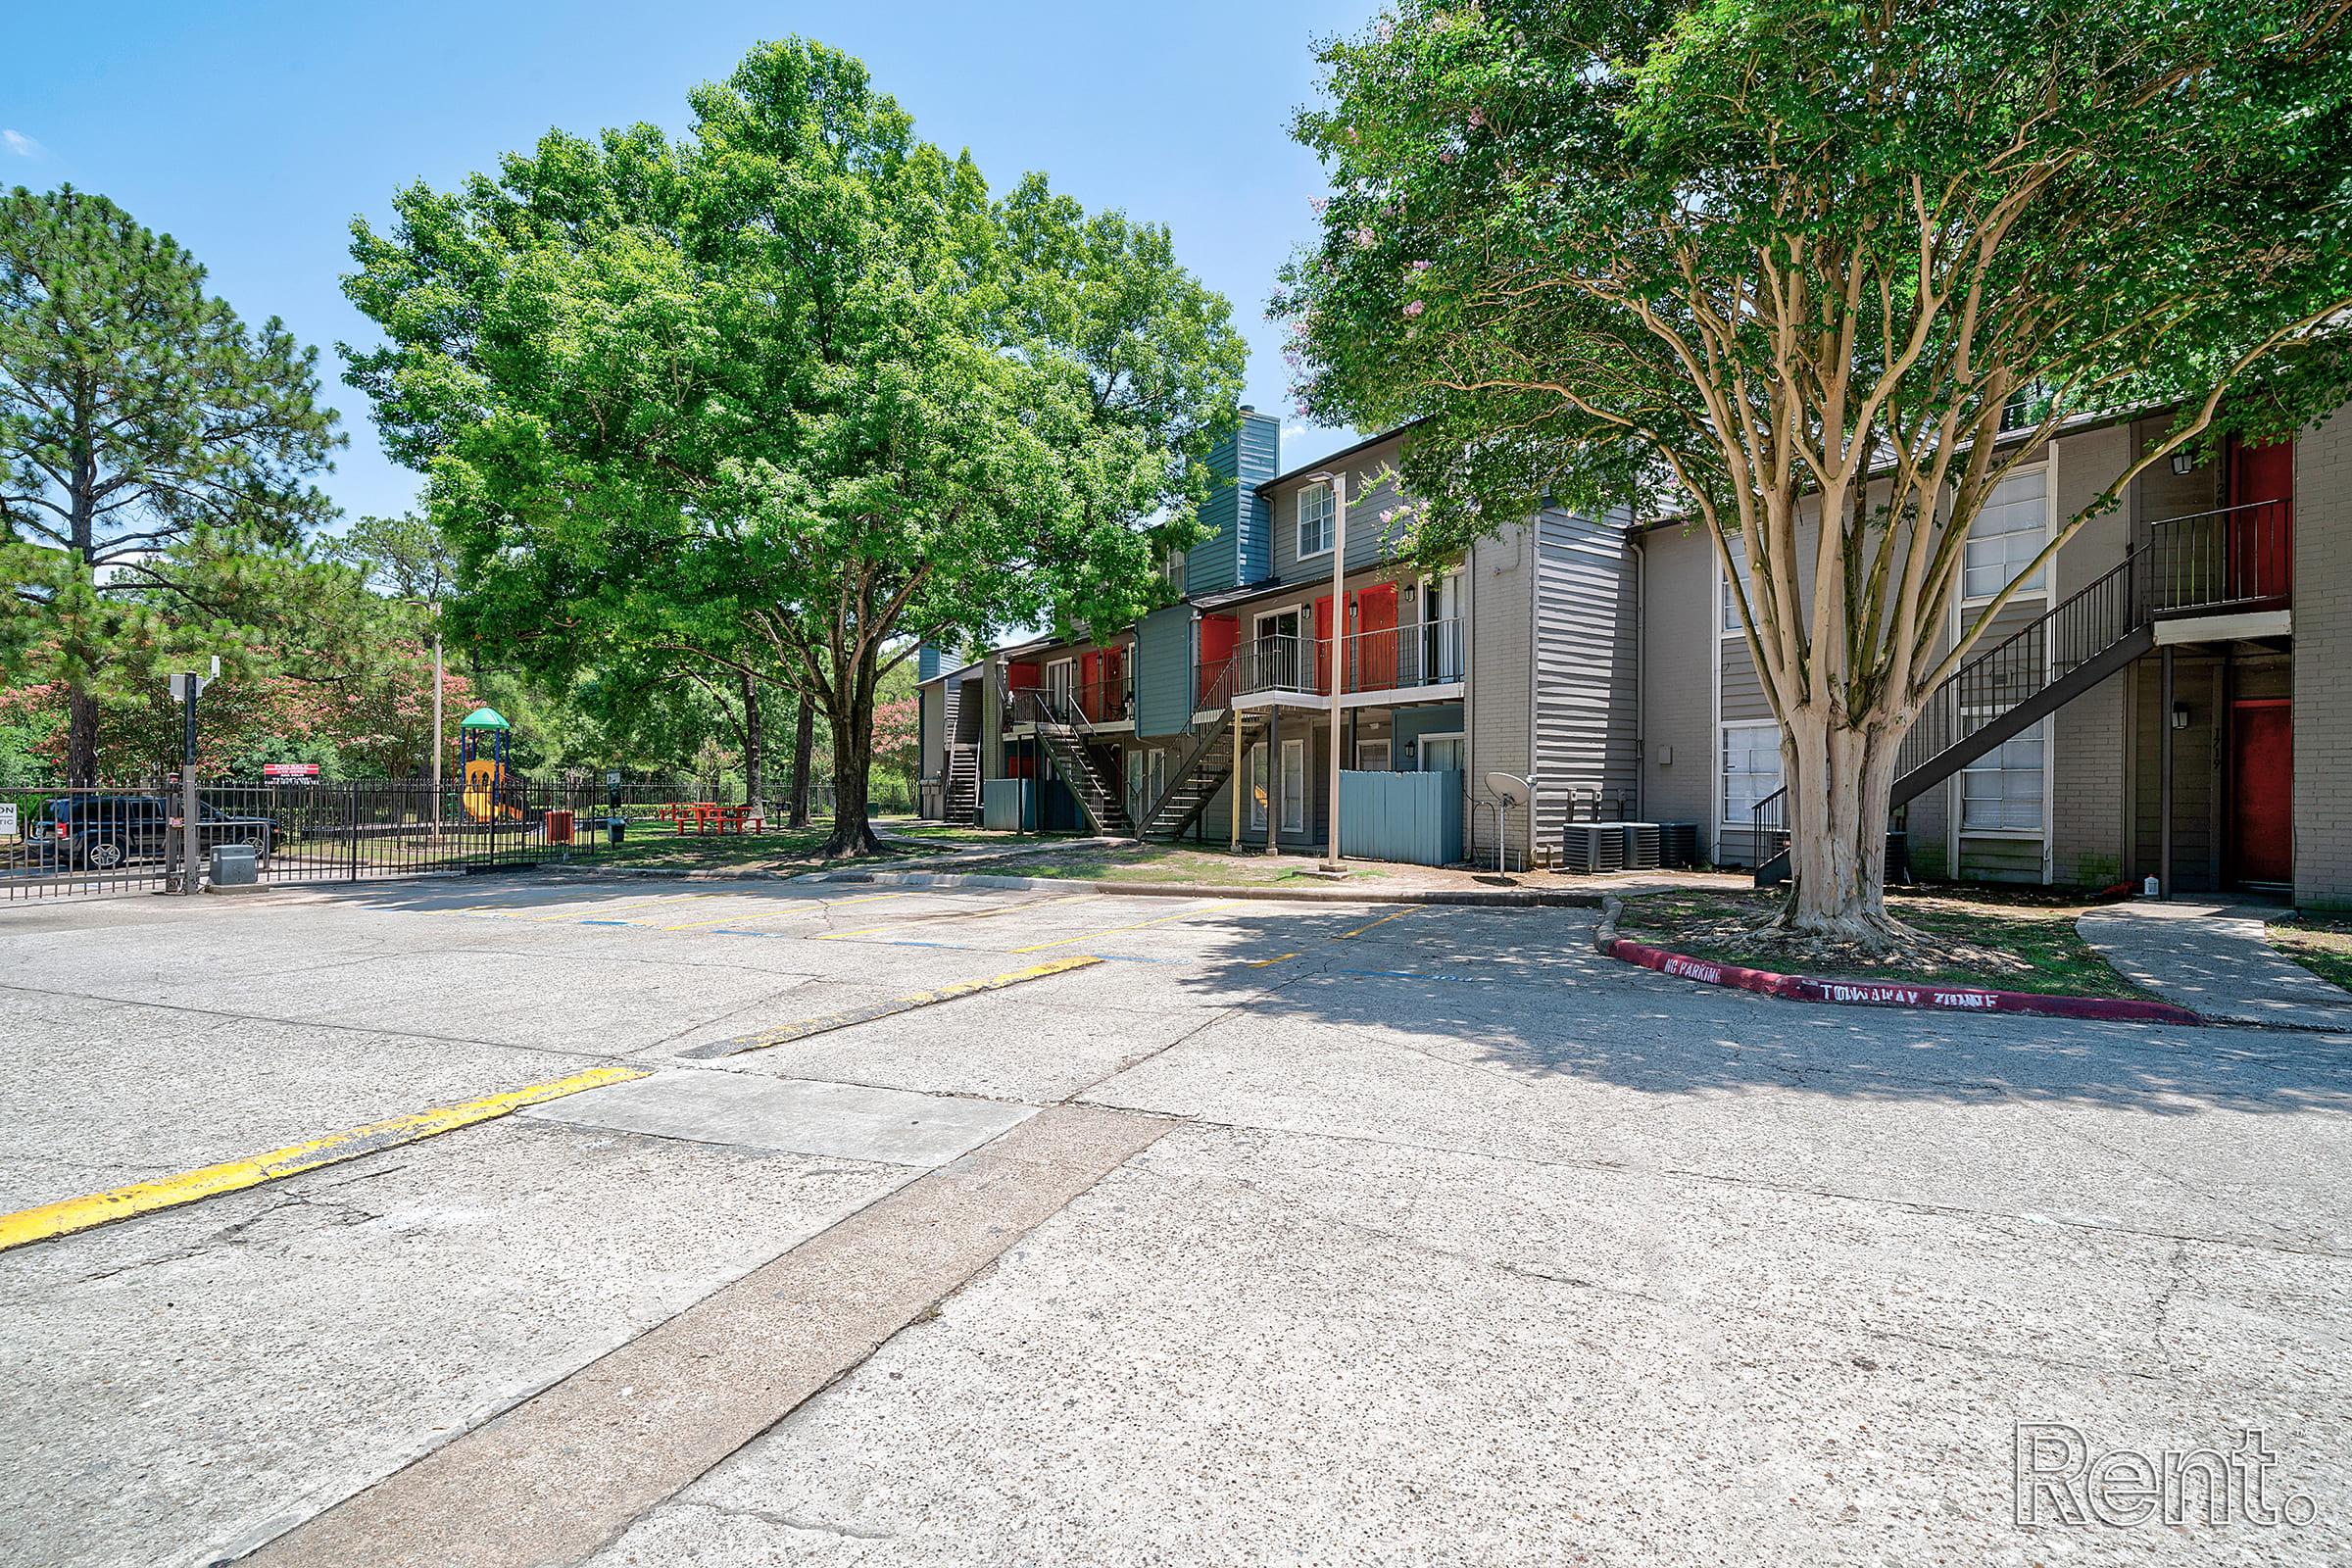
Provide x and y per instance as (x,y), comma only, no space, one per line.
(705,816)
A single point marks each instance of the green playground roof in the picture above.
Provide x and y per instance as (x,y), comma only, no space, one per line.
(484,718)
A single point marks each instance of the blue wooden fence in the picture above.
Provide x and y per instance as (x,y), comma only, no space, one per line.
(1415,817)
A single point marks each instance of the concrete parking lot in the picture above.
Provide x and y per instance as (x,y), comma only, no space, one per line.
(1283,1232)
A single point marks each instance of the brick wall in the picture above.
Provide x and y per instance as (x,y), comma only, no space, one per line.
(2323,664)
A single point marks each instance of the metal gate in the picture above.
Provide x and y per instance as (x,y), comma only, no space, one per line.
(57,840)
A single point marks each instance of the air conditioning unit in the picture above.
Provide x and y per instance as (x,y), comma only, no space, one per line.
(1593,846)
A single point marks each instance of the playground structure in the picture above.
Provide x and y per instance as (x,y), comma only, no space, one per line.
(486,790)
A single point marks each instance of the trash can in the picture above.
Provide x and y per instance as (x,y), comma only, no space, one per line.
(615,830)
(234,865)
(558,827)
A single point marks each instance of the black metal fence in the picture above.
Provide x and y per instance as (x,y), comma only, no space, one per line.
(59,840)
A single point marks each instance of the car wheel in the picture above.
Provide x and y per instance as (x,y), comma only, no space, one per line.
(103,856)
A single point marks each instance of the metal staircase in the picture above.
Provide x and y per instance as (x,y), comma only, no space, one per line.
(1201,768)
(2214,560)
(1090,776)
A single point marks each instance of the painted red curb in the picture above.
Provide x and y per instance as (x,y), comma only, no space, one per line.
(1896,994)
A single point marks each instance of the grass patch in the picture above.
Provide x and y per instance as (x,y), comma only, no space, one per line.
(2319,943)
(1996,938)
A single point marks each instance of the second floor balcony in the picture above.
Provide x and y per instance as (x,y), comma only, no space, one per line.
(1383,659)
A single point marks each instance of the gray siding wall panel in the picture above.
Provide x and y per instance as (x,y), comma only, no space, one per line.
(1370,540)
(1588,671)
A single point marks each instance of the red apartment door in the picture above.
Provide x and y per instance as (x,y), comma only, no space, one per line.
(2262,789)
(1374,662)
(2262,489)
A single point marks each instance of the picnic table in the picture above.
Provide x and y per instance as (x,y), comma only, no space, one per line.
(706,817)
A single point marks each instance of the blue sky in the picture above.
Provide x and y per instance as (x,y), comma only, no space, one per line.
(253,133)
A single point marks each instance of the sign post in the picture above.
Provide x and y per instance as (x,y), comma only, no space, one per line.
(187,688)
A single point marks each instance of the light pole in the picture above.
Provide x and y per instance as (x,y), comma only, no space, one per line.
(1338,634)
(434,604)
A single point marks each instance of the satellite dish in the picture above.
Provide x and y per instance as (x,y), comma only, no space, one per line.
(1512,787)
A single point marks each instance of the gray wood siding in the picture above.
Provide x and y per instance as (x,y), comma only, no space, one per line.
(1588,670)
(1370,541)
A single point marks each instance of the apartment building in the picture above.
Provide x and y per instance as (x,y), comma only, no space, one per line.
(2166,698)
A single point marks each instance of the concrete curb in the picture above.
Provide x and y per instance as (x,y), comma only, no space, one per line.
(1492,897)
(1883,994)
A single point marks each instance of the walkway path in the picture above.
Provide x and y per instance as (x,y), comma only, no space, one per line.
(2214,958)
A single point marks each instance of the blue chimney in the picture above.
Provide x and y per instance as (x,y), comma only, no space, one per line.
(927,662)
(1239,547)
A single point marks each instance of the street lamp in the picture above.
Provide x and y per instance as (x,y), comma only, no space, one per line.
(435,606)
(1339,629)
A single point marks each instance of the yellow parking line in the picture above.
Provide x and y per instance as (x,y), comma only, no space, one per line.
(824,1022)
(70,1214)
(950,914)
(1361,929)
(1279,957)
(1063,942)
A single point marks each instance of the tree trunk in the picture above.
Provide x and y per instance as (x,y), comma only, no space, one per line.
(82,737)
(753,745)
(804,746)
(850,709)
(1839,779)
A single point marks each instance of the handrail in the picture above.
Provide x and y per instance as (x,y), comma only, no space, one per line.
(2202,560)
(1394,657)
(1216,698)
(2228,556)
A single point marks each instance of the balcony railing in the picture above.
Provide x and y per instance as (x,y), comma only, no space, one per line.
(1106,701)
(1281,662)
(2237,556)
(1397,658)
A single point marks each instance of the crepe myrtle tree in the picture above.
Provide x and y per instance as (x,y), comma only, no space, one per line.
(791,395)
(1817,276)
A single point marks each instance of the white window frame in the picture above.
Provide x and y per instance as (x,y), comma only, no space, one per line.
(1155,774)
(1421,756)
(2038,731)
(1388,756)
(1727,617)
(1299,522)
(2049,471)
(1066,687)
(1739,819)
(1294,747)
(1256,783)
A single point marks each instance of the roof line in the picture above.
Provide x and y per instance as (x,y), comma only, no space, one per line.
(1341,455)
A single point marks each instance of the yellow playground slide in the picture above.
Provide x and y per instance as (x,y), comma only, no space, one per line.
(485,779)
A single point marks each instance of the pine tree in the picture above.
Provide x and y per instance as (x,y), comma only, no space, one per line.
(136,413)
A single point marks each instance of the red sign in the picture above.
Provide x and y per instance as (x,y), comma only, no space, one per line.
(289,770)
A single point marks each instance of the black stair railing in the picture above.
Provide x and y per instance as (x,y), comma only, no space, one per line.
(2045,650)
(1216,688)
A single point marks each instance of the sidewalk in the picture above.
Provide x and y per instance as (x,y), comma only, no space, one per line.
(2213,959)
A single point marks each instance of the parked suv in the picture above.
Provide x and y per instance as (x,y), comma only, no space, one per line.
(101,832)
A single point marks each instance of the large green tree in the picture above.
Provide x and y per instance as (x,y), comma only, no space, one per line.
(1765,262)
(790,394)
(136,411)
